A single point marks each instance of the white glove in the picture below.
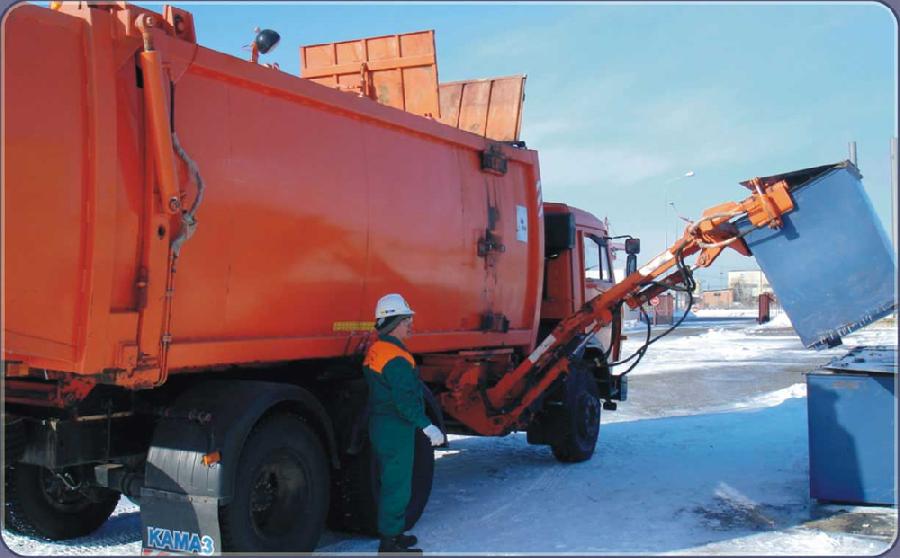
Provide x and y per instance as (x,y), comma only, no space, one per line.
(434,434)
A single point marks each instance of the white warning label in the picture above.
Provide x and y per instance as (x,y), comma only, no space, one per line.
(659,260)
(541,349)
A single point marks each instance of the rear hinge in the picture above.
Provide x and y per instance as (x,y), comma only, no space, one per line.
(490,242)
(494,161)
(494,322)
(127,356)
(140,284)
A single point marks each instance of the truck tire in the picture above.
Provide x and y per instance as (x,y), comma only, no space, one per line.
(280,492)
(359,487)
(39,503)
(577,420)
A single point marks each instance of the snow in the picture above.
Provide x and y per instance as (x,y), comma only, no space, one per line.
(795,541)
(739,342)
(774,398)
(780,320)
(733,482)
(119,536)
(725,312)
(708,456)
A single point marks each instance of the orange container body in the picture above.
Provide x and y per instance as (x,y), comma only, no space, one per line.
(317,203)
(488,107)
(399,71)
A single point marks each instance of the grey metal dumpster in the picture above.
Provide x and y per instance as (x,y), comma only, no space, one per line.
(851,404)
(826,296)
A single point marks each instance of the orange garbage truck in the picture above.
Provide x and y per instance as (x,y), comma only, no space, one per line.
(194,245)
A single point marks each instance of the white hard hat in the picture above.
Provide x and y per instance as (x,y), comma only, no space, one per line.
(392,305)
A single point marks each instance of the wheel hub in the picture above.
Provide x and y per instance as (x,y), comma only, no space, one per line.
(278,496)
(589,415)
(61,491)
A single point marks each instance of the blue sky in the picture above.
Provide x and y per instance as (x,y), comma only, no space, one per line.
(622,99)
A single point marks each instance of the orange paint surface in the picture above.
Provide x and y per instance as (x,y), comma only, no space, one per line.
(399,71)
(488,107)
(317,203)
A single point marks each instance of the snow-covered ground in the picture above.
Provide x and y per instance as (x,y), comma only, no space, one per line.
(725,312)
(707,456)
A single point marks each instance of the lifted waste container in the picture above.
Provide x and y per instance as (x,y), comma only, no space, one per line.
(851,404)
(831,264)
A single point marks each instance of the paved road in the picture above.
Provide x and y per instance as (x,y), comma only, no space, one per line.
(655,485)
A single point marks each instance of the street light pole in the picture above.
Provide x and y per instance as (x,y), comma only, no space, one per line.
(688,174)
(674,214)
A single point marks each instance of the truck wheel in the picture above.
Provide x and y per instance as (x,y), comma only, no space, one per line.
(423,477)
(38,502)
(281,490)
(578,419)
(359,487)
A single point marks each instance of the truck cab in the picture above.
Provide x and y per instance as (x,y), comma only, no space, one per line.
(578,266)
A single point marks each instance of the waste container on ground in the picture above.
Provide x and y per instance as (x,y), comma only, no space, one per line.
(851,403)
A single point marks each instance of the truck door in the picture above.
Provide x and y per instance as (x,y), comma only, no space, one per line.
(597,276)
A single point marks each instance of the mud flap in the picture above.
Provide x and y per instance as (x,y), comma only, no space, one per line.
(193,459)
(179,523)
(181,494)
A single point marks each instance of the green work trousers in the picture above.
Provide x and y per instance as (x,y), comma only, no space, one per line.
(393,439)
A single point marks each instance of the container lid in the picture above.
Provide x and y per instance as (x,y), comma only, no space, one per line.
(829,282)
(800,177)
(488,107)
(399,71)
(877,359)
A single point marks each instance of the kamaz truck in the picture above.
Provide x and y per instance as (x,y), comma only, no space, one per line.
(194,245)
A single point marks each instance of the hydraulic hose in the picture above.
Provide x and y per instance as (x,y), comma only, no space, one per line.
(165,146)
(188,218)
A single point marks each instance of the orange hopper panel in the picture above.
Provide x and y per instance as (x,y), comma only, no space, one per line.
(399,71)
(488,107)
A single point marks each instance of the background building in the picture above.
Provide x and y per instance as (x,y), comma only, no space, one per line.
(745,286)
(717,299)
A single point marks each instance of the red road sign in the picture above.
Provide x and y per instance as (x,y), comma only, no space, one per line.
(654,301)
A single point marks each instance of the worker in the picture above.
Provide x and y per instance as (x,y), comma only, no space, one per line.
(397,408)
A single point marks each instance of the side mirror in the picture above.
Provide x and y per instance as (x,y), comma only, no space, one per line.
(559,232)
(632,246)
(630,264)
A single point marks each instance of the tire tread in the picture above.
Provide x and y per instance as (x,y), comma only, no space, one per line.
(564,445)
(229,526)
(28,514)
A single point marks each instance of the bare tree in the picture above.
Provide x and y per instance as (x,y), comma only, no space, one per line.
(742,292)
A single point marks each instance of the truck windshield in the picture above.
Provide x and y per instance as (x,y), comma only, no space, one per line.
(592,265)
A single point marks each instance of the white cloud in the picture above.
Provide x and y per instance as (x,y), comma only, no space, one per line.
(543,132)
(695,130)
(602,166)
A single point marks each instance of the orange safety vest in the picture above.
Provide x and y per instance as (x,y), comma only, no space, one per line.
(382,352)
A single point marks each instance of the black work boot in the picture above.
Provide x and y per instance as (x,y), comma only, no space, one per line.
(406,540)
(395,545)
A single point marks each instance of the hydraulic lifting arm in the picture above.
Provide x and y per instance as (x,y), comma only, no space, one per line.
(517,391)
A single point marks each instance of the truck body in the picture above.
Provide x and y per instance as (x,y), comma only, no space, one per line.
(144,350)
(193,246)
(317,204)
